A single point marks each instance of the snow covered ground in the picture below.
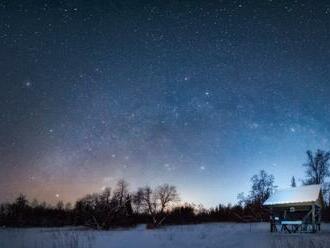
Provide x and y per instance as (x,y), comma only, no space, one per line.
(192,236)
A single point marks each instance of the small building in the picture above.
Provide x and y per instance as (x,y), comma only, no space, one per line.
(296,209)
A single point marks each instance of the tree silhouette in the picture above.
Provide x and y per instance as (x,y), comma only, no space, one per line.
(262,187)
(317,167)
(293,182)
(156,201)
(105,209)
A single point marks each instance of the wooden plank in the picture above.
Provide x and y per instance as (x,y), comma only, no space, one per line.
(296,222)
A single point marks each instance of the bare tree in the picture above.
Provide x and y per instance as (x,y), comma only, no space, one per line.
(138,201)
(60,205)
(107,208)
(156,202)
(145,198)
(123,198)
(167,194)
(262,187)
(317,167)
(293,182)
(121,192)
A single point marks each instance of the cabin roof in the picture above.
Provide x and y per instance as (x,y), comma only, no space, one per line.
(298,195)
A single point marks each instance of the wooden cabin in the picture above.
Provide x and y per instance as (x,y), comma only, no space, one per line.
(296,209)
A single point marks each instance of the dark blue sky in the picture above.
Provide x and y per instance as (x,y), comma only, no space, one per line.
(198,94)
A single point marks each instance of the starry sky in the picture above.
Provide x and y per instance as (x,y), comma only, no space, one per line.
(199,94)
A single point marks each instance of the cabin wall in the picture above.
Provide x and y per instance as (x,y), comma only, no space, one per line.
(309,215)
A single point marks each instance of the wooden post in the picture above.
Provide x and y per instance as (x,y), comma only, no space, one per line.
(271,220)
(319,219)
(313,218)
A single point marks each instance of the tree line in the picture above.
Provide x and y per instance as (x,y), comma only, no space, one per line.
(119,207)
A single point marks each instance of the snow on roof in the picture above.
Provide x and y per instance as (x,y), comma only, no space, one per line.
(303,194)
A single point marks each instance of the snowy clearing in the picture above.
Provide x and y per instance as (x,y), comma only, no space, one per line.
(192,236)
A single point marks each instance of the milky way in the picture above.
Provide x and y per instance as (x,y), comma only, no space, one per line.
(201,95)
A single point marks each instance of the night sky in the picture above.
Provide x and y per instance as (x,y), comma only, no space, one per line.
(201,95)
